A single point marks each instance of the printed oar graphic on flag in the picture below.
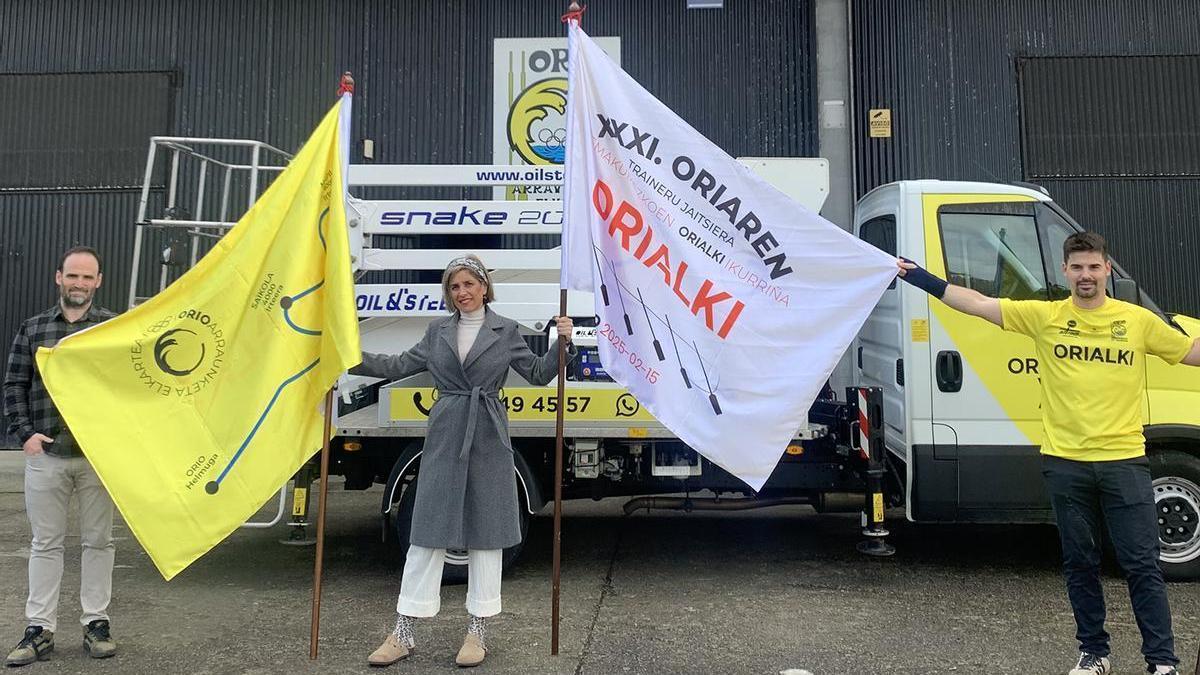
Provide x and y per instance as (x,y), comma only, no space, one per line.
(723,305)
(196,406)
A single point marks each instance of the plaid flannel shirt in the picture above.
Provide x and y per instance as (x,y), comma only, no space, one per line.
(27,404)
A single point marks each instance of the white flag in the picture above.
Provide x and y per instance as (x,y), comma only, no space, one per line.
(723,304)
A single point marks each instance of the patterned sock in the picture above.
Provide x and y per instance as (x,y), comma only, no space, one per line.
(478,626)
(404,631)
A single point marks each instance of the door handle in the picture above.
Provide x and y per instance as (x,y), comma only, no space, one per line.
(949,371)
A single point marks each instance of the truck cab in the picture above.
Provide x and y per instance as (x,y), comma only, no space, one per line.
(962,396)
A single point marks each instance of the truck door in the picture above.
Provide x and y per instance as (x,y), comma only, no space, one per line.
(879,353)
(984,381)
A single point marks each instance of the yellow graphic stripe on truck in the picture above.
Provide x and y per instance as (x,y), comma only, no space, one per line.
(533,404)
(986,349)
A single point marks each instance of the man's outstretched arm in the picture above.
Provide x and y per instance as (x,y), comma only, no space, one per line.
(963,299)
(1193,357)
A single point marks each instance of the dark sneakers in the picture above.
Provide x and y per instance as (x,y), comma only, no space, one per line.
(97,641)
(35,646)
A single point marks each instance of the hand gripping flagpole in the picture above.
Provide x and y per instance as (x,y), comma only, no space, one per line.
(346,86)
(574,13)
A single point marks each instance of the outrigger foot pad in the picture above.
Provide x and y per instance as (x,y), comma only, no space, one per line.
(876,547)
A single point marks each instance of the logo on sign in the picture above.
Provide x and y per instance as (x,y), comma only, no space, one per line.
(537,123)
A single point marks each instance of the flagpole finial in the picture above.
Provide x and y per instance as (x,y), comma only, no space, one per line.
(346,86)
(574,12)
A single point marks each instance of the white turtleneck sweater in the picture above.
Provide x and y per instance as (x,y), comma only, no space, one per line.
(469,324)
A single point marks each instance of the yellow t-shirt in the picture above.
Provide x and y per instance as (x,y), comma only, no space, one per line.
(1092,365)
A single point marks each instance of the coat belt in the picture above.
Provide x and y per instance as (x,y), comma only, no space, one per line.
(476,394)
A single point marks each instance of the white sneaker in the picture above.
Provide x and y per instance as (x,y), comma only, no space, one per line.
(1090,664)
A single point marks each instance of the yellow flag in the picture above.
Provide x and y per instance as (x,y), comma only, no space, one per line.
(198,405)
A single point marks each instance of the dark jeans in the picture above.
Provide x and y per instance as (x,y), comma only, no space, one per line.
(1084,494)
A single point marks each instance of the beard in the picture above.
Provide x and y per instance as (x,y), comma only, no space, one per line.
(81,299)
(1088,293)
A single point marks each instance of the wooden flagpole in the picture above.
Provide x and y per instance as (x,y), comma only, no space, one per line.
(574,12)
(316,601)
(345,85)
(558,470)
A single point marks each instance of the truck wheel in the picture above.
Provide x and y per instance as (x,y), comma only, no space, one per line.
(1177,502)
(455,570)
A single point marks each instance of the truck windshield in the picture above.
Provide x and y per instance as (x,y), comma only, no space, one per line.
(994,248)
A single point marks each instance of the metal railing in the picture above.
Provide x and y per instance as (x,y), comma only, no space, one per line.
(182,149)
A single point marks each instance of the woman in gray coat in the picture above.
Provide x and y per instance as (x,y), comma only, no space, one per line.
(467,497)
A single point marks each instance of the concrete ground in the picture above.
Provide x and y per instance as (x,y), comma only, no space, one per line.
(659,592)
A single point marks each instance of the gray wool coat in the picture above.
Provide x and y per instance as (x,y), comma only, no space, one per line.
(466,496)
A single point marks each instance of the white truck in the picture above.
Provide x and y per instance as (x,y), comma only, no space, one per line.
(940,413)
(961,396)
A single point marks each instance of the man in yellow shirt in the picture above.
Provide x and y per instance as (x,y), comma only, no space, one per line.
(1091,352)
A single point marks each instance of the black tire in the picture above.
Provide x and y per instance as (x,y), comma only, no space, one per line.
(1176,477)
(455,571)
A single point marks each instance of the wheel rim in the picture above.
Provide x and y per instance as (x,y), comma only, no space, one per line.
(1177,506)
(456,556)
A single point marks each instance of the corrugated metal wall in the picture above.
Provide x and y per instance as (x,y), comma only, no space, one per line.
(948,71)
(102,149)
(267,70)
(1110,116)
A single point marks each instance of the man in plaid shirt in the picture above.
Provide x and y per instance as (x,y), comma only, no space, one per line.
(55,468)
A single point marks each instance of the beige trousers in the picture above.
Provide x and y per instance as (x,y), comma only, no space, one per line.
(49,483)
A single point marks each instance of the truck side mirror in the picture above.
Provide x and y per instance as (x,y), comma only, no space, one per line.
(1127,291)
